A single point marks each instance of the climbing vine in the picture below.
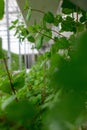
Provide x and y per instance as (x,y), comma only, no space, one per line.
(53,95)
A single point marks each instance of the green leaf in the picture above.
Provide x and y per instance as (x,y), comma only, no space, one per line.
(29,14)
(26,4)
(80,26)
(82,19)
(68,7)
(1,8)
(33,29)
(31,38)
(15,22)
(57,20)
(39,41)
(21,112)
(68,24)
(8,101)
(67,11)
(63,43)
(4,85)
(11,27)
(19,80)
(49,17)
(48,34)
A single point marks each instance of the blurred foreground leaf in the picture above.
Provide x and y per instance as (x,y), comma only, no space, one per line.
(1,8)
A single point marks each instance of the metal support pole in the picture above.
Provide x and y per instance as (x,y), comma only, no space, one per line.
(28,56)
(8,35)
(20,57)
(25,58)
(33,57)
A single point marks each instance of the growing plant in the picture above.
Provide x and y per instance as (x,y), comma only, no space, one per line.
(53,95)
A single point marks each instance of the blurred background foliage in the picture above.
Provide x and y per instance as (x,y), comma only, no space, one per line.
(53,95)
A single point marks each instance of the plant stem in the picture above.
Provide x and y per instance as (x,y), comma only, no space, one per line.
(58,33)
(46,35)
(9,76)
(55,32)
